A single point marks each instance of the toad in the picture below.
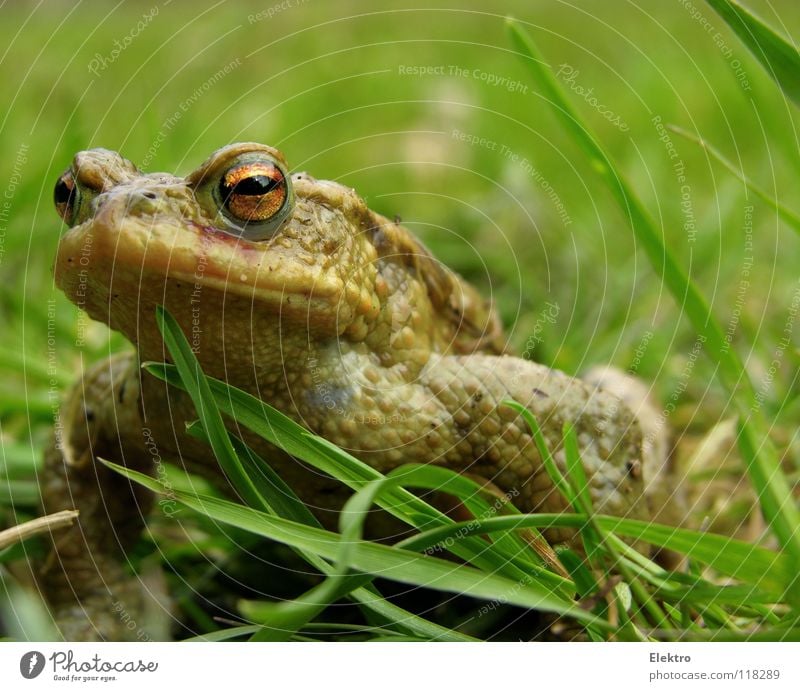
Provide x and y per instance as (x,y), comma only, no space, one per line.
(292,289)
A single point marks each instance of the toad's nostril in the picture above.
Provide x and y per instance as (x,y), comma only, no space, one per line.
(150,195)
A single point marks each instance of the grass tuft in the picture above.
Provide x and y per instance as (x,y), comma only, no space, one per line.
(622,594)
(769,481)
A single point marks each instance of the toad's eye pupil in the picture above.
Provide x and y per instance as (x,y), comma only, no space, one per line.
(254,192)
(254,185)
(65,196)
(64,193)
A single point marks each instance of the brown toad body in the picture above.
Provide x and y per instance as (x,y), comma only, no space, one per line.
(292,289)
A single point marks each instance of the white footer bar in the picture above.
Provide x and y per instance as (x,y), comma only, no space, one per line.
(407,666)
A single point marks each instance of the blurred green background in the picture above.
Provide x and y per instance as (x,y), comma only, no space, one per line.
(328,84)
(393,100)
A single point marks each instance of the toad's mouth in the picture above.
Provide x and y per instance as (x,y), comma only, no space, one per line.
(113,263)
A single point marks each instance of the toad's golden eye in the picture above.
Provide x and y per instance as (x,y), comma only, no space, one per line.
(65,196)
(249,193)
(254,192)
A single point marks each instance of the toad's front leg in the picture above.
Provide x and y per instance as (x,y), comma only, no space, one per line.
(91,593)
(481,435)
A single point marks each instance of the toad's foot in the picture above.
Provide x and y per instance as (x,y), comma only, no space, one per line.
(85,578)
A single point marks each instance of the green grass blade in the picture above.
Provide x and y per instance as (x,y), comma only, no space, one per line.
(286,434)
(280,498)
(509,546)
(548,461)
(779,58)
(286,504)
(224,634)
(18,460)
(789,216)
(765,482)
(596,540)
(756,565)
(591,535)
(705,593)
(403,619)
(766,635)
(681,287)
(282,431)
(263,487)
(20,493)
(196,386)
(503,556)
(577,474)
(24,612)
(585,582)
(282,620)
(777,504)
(387,562)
